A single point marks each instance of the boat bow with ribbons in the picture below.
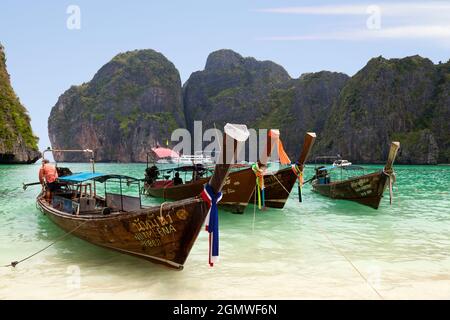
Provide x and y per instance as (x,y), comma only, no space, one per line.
(278,184)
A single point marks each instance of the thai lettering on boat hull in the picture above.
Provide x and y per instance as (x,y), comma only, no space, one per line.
(150,231)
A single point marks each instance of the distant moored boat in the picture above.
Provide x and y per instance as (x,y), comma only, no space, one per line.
(366,189)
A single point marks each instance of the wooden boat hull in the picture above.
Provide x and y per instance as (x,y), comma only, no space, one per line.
(237,190)
(278,187)
(161,236)
(367,189)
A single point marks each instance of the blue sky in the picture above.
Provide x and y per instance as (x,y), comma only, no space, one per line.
(45,58)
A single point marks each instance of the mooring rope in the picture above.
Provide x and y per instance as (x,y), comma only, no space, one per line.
(328,238)
(254,210)
(336,248)
(274,175)
(15,263)
(348,259)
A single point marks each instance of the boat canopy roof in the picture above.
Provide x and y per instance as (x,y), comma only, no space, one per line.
(100,177)
(165,153)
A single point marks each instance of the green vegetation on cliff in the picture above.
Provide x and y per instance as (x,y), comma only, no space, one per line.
(136,101)
(133,102)
(14,119)
(260,94)
(16,134)
(395,99)
(231,88)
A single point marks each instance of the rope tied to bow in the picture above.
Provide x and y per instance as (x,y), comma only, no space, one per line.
(15,263)
(298,171)
(212,221)
(392,178)
(259,173)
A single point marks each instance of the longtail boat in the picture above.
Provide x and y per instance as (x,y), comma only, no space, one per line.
(366,189)
(277,185)
(237,189)
(163,234)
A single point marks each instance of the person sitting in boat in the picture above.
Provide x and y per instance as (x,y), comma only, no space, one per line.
(48,175)
(177,180)
(151,174)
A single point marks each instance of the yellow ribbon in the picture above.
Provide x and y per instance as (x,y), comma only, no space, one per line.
(299,173)
(259,173)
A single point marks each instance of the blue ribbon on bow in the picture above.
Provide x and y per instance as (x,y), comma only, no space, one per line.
(213,223)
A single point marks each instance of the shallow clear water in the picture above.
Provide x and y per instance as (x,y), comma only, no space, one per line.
(402,250)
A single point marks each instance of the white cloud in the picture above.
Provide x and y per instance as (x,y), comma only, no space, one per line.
(389,9)
(320,10)
(402,20)
(401,32)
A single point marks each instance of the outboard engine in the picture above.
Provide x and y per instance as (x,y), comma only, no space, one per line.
(322,175)
(151,174)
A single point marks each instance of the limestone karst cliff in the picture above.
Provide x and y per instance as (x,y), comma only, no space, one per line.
(132,103)
(18,144)
(136,100)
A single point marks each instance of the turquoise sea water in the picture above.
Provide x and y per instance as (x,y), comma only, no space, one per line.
(306,250)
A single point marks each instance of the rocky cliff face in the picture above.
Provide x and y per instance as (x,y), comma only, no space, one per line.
(397,99)
(136,100)
(440,120)
(302,105)
(17,141)
(132,103)
(261,94)
(231,89)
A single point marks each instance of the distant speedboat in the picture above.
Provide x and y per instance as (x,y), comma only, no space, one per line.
(197,158)
(341,163)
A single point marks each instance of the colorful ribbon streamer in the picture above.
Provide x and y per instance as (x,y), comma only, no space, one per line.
(259,173)
(298,171)
(212,221)
(282,155)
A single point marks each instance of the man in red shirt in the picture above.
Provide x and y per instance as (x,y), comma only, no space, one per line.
(47,177)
